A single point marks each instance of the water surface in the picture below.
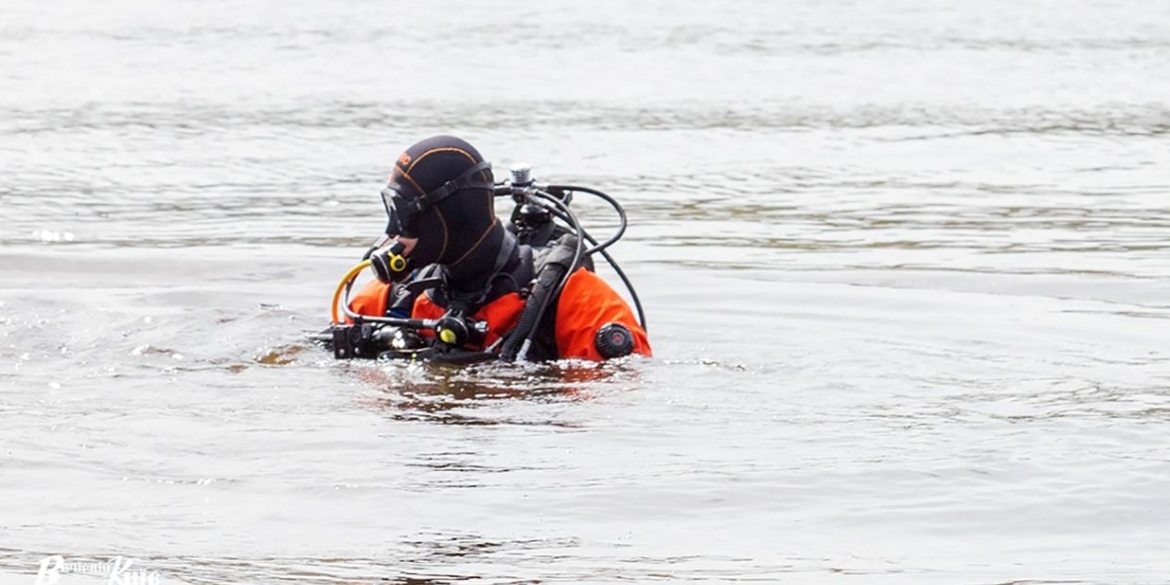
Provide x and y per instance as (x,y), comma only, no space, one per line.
(905,266)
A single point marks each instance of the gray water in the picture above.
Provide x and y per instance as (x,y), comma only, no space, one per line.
(905,266)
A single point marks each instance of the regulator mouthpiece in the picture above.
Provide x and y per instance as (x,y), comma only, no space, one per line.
(390,265)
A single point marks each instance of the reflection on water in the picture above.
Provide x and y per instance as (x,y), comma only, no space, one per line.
(451,394)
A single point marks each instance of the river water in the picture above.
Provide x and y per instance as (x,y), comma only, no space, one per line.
(905,266)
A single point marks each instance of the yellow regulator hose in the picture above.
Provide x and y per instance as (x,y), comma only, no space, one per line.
(346,281)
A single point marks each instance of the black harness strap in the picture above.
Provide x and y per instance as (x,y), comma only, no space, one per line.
(463,181)
(554,266)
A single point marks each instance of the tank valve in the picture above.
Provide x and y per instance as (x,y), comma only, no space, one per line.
(521,175)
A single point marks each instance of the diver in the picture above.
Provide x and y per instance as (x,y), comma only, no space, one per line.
(453,280)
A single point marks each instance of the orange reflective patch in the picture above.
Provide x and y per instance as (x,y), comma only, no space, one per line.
(404,160)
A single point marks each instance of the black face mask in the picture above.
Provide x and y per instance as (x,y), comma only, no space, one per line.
(402,211)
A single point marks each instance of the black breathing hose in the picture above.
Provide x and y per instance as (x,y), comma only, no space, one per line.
(560,210)
(621,211)
(602,247)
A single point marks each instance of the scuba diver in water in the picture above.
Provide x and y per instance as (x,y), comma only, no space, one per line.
(454,284)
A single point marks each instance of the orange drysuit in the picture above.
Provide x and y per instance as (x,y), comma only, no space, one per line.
(585,305)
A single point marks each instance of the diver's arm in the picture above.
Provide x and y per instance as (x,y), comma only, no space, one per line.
(586,305)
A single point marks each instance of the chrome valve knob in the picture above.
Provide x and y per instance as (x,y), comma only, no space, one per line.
(521,174)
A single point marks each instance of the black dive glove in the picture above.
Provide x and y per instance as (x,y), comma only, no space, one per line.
(389,264)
